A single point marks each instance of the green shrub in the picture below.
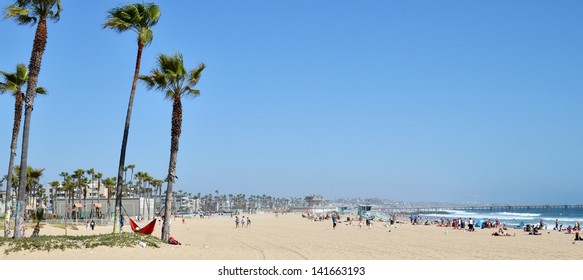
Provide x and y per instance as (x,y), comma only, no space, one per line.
(48,243)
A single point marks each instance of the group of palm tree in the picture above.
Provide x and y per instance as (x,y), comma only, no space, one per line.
(170,76)
(229,202)
(77,185)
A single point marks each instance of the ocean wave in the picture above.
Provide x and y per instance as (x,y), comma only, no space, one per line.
(517,214)
(481,216)
(460,212)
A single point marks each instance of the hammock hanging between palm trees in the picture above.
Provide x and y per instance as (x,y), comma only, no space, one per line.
(148,229)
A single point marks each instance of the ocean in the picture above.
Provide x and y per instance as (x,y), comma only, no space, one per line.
(513,218)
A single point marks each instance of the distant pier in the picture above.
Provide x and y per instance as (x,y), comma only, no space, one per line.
(437,209)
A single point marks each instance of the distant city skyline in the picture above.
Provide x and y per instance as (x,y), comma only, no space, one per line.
(409,101)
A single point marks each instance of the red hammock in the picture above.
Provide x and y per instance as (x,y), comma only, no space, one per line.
(148,229)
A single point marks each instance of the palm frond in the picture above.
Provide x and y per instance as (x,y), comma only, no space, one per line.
(146,35)
(171,77)
(192,93)
(19,14)
(57,15)
(148,80)
(195,74)
(153,13)
(136,17)
(15,81)
(42,90)
(21,72)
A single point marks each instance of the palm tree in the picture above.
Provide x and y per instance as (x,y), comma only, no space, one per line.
(109,184)
(69,188)
(140,177)
(91,172)
(139,18)
(14,82)
(79,175)
(172,78)
(56,186)
(98,176)
(32,184)
(157,183)
(29,12)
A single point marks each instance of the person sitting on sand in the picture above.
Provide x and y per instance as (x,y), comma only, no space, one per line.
(501,232)
(534,231)
(578,237)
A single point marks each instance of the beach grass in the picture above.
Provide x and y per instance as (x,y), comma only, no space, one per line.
(62,242)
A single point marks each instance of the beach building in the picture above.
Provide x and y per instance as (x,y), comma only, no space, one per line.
(364,210)
(85,208)
(313,204)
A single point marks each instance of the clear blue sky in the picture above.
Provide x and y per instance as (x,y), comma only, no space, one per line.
(454,101)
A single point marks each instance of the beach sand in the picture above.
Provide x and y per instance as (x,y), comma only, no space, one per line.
(291,237)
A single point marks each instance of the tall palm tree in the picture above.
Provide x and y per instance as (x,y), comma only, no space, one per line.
(109,184)
(171,77)
(29,12)
(98,176)
(32,184)
(138,18)
(157,184)
(14,82)
(79,175)
(91,172)
(56,186)
(69,188)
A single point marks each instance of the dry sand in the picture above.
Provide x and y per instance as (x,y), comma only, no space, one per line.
(291,237)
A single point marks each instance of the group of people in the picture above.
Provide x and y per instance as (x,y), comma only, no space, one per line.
(90,224)
(245,222)
(459,223)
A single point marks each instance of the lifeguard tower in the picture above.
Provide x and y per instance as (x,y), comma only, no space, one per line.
(364,211)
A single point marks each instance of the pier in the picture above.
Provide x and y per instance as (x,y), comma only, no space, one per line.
(437,209)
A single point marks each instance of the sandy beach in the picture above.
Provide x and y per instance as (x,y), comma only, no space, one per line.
(291,237)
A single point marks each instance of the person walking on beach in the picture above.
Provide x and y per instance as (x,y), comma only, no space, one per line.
(92,224)
(333,221)
(248,221)
(243,222)
(556,224)
(471,225)
(236,221)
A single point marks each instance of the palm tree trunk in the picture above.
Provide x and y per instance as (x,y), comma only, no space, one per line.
(176,130)
(124,142)
(98,200)
(38,48)
(13,144)
(108,206)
